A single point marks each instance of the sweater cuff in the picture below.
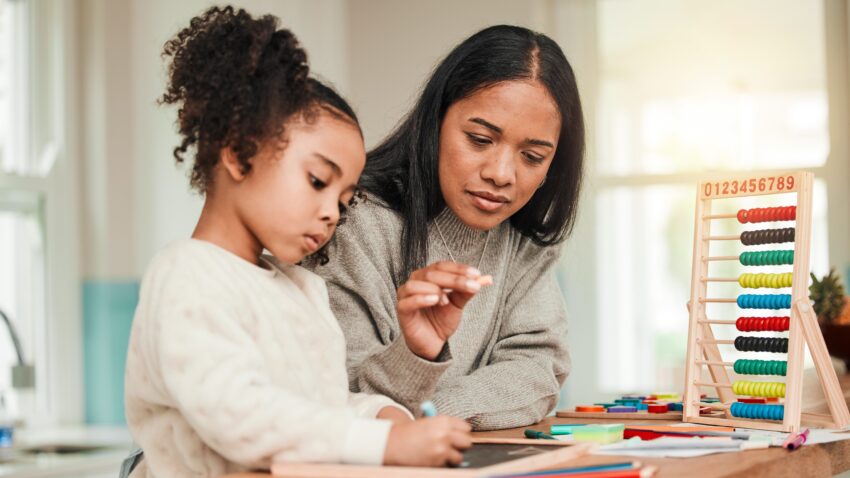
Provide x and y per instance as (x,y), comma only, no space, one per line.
(398,350)
(366,442)
(379,403)
(401,375)
(446,405)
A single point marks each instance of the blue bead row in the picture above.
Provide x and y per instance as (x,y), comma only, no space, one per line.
(764,301)
(757,411)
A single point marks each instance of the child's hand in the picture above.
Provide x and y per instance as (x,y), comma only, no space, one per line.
(393,414)
(437,441)
(427,314)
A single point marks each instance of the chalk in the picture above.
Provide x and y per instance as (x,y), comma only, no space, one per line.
(428,409)
(563,429)
(485,280)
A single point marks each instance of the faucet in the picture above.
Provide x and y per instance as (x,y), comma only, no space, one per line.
(23,375)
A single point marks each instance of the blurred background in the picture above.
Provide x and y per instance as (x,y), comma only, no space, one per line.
(674,91)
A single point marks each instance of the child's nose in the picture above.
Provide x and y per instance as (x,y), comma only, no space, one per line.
(330,212)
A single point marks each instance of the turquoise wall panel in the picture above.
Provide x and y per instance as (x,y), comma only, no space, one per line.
(108,308)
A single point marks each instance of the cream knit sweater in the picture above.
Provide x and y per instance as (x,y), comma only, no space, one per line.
(232,366)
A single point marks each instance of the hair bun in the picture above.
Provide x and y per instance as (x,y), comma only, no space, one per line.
(235,78)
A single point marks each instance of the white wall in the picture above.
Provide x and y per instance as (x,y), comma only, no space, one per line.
(394,45)
(376,52)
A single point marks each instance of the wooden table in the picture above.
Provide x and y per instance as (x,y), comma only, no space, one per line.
(824,460)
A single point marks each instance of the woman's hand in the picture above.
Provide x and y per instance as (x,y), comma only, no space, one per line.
(430,304)
(437,441)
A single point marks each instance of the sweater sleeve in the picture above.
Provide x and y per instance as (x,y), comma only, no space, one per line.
(521,382)
(219,384)
(367,405)
(362,294)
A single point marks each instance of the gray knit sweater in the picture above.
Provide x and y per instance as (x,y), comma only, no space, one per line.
(505,364)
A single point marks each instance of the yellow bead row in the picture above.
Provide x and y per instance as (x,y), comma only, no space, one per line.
(773,281)
(759,389)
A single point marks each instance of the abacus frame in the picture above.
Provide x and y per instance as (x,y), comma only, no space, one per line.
(703,346)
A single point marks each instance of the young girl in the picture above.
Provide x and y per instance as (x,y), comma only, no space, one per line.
(236,360)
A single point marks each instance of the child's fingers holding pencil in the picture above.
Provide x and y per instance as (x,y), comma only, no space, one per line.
(460,425)
(454,458)
(461,441)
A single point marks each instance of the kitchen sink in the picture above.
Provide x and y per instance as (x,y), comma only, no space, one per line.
(61,448)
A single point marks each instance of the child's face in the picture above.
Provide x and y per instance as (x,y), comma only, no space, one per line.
(292,198)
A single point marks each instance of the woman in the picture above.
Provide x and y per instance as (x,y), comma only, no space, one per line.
(484,171)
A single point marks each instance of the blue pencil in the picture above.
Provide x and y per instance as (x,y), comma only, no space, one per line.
(569,471)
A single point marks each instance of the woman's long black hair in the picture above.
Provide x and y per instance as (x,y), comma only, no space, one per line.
(403,170)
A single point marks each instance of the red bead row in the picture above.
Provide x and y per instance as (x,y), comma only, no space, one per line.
(767,214)
(758,324)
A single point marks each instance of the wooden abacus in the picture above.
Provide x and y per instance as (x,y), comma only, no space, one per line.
(801,324)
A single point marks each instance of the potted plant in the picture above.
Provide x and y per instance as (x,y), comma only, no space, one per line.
(832,307)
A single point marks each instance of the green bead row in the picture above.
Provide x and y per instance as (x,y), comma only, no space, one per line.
(761,367)
(767,258)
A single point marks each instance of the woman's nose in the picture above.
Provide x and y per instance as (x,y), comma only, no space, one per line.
(500,169)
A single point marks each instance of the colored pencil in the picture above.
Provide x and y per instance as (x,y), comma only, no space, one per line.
(628,465)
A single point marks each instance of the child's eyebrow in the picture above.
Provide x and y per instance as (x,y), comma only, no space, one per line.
(335,167)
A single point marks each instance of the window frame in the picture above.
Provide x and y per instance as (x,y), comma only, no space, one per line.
(52,111)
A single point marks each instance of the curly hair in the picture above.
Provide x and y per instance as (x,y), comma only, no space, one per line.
(236,80)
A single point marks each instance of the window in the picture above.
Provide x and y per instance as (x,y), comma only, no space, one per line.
(38,275)
(676,90)
(696,86)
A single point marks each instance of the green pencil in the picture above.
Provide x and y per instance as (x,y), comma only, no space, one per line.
(529,433)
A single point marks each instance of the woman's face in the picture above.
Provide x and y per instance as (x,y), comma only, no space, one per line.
(495,150)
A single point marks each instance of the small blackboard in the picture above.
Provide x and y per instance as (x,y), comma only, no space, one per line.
(489,454)
(486,457)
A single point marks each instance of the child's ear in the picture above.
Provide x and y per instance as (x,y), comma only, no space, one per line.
(231,164)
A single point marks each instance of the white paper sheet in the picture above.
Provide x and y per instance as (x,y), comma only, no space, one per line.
(670,447)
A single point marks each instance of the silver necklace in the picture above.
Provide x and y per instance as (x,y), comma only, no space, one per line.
(451,256)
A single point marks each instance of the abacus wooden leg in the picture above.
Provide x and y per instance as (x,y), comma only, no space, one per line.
(718,373)
(820,355)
